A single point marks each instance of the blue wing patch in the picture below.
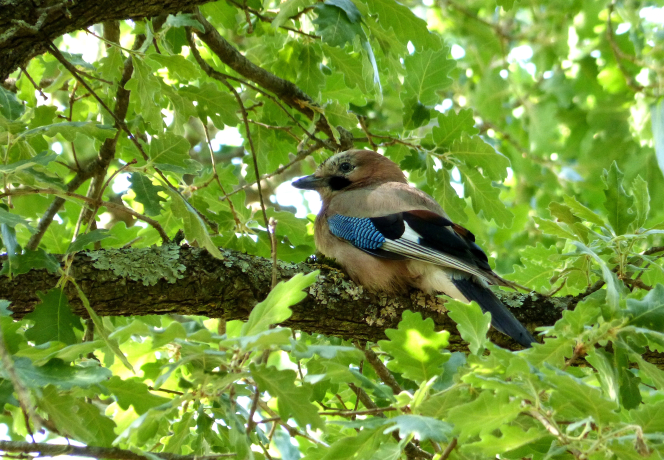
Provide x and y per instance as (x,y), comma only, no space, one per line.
(358,231)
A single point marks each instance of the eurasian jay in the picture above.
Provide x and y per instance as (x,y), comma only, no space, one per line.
(389,236)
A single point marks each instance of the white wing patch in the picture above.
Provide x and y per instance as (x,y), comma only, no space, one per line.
(408,245)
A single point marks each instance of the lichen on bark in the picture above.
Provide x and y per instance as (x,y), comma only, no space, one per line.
(147,265)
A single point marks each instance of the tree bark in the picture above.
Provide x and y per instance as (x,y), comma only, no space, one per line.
(26,28)
(230,288)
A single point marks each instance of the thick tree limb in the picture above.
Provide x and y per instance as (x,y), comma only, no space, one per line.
(54,450)
(230,288)
(26,29)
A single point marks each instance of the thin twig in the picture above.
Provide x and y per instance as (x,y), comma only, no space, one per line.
(350,413)
(113,206)
(619,55)
(291,430)
(382,371)
(269,420)
(448,450)
(22,394)
(299,157)
(238,222)
(272,230)
(252,151)
(245,118)
(637,283)
(75,73)
(248,9)
(251,424)
(35,85)
(164,390)
(117,171)
(72,101)
(287,129)
(113,44)
(363,124)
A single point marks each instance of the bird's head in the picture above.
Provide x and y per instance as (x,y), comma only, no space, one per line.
(351,170)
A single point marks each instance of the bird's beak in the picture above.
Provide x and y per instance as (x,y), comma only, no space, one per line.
(309,182)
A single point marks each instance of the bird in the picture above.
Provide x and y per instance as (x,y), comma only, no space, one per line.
(390,236)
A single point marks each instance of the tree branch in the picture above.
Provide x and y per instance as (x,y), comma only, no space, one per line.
(27,29)
(53,450)
(230,288)
(285,90)
(106,152)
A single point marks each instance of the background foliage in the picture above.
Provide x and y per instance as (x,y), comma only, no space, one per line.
(537,125)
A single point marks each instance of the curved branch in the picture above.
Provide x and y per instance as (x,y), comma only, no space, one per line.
(285,90)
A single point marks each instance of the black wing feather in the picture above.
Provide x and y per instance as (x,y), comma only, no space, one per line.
(443,235)
(391,226)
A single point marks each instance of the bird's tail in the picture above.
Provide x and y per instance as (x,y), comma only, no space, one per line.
(501,318)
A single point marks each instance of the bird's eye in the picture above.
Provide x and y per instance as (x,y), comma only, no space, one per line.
(345,167)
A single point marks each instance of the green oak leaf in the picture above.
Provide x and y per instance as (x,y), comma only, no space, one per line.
(648,313)
(351,66)
(485,197)
(512,437)
(421,427)
(452,125)
(617,203)
(650,417)
(405,24)
(476,153)
(221,107)
(69,130)
(291,400)
(10,107)
(54,320)
(416,347)
(335,26)
(576,400)
(28,260)
(553,351)
(170,152)
(641,201)
(287,10)
(133,392)
(426,74)
(42,159)
(88,238)
(76,418)
(471,322)
(59,374)
(310,76)
(276,307)
(144,87)
(194,227)
(178,67)
(483,415)
(184,20)
(147,193)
